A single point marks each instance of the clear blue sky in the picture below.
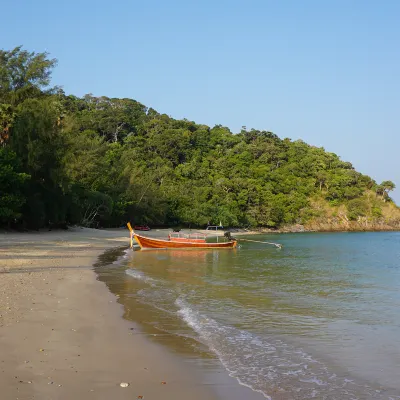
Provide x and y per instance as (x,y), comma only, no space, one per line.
(327,72)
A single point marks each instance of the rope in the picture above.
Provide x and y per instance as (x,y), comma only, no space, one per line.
(258,241)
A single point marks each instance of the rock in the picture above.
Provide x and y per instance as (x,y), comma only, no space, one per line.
(124,384)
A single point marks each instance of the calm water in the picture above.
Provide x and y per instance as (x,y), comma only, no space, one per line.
(318,319)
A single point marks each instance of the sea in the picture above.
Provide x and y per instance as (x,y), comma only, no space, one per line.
(317,319)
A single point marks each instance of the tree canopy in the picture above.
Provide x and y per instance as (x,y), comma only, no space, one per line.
(103,161)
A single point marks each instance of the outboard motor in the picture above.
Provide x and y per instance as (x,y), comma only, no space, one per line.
(229,237)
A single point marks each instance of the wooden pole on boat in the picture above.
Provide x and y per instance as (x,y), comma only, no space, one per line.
(131,234)
(278,245)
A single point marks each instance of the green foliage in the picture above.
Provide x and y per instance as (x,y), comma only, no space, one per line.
(11,186)
(103,161)
(95,205)
(23,74)
(357,208)
(384,188)
(376,212)
(36,138)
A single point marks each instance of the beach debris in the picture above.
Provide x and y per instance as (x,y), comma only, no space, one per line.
(140,397)
(163,383)
(124,384)
(41,349)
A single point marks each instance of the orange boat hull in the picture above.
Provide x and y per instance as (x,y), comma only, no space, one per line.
(150,243)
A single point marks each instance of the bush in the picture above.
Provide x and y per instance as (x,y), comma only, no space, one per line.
(376,212)
(357,208)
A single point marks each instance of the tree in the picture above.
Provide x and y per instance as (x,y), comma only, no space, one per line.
(100,160)
(95,205)
(39,144)
(37,139)
(388,186)
(23,75)
(11,186)
(6,119)
(357,208)
(384,188)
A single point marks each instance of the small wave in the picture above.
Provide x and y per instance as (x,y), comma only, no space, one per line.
(125,254)
(269,365)
(205,327)
(158,299)
(141,276)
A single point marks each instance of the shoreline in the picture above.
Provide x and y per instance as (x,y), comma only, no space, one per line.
(62,334)
(297,228)
(333,229)
(162,233)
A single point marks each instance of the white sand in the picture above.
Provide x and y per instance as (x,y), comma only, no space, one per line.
(61,331)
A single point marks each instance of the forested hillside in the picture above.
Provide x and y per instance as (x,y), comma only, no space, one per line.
(97,161)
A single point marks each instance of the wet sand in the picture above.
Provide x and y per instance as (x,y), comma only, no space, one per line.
(61,331)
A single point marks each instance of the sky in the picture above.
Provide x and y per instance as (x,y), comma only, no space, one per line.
(326,72)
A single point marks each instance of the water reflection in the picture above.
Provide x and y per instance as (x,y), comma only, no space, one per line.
(318,299)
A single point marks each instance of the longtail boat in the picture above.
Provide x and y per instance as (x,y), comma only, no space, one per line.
(179,241)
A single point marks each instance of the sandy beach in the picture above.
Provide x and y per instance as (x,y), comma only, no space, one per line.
(61,331)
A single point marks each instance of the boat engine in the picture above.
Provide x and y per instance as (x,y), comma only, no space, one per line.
(229,236)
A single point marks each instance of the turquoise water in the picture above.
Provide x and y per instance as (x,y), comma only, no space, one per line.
(318,319)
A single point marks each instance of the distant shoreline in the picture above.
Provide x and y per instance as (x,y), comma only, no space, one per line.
(162,232)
